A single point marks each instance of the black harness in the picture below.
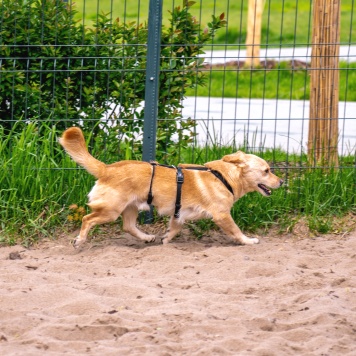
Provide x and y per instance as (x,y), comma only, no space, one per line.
(180,181)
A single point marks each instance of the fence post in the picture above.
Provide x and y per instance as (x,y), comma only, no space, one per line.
(152,80)
(253,38)
(324,84)
(152,86)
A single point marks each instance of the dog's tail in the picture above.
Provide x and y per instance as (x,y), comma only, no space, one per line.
(73,142)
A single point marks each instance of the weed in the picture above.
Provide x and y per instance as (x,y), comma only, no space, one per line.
(201,227)
(76,214)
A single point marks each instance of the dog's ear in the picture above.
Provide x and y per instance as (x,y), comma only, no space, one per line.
(238,158)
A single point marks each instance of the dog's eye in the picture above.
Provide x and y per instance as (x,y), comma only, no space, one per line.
(267,170)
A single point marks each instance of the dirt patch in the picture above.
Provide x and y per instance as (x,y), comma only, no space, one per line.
(118,296)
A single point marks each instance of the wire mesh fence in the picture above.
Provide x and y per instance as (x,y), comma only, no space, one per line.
(85,63)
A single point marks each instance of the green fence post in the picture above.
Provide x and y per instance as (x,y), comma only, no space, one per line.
(152,86)
(152,80)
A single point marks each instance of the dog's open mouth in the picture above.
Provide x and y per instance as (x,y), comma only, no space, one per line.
(264,189)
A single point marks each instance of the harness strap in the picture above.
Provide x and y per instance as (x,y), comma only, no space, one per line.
(150,195)
(180,181)
(154,164)
(217,174)
(223,180)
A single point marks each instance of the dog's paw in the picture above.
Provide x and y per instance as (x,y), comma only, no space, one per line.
(164,240)
(150,238)
(249,240)
(77,242)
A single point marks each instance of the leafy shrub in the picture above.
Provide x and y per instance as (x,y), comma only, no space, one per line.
(55,69)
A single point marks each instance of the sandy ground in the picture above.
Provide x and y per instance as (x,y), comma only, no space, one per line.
(119,296)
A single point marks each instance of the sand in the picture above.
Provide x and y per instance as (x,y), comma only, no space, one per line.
(120,296)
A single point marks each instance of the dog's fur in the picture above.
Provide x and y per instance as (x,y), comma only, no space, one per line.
(122,189)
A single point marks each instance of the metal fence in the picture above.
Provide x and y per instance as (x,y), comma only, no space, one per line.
(53,70)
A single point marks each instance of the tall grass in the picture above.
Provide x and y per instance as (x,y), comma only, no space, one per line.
(319,196)
(38,183)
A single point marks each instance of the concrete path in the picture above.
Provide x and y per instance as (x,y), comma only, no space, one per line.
(347,53)
(263,123)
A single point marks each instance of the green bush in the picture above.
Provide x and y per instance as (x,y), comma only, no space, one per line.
(54,68)
(36,39)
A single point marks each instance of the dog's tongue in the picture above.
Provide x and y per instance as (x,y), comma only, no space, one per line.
(265,189)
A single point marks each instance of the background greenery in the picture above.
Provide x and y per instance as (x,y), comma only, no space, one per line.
(66,73)
(39,182)
(284,21)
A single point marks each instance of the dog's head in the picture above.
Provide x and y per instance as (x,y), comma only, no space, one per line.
(255,171)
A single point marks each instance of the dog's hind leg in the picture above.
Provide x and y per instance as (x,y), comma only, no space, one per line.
(174,227)
(129,218)
(227,224)
(99,216)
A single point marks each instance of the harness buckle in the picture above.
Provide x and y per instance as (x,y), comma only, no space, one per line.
(180,176)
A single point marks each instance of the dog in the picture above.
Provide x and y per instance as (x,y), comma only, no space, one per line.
(208,191)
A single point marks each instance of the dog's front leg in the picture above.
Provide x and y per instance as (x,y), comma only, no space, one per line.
(227,224)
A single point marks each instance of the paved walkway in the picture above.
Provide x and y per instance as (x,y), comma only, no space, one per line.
(347,53)
(264,123)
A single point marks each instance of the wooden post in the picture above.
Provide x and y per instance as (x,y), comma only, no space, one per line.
(324,84)
(253,38)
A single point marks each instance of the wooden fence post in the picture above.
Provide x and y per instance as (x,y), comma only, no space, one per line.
(254,27)
(324,84)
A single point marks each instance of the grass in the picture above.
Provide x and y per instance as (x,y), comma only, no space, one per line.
(284,22)
(282,82)
(39,185)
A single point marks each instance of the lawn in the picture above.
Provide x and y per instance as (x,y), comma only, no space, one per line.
(284,22)
(282,82)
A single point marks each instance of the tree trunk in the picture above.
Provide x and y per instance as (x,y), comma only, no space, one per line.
(324,84)
(253,38)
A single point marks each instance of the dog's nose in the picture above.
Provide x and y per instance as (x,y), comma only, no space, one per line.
(281,182)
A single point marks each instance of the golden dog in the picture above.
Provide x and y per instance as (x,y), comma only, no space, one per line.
(122,188)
